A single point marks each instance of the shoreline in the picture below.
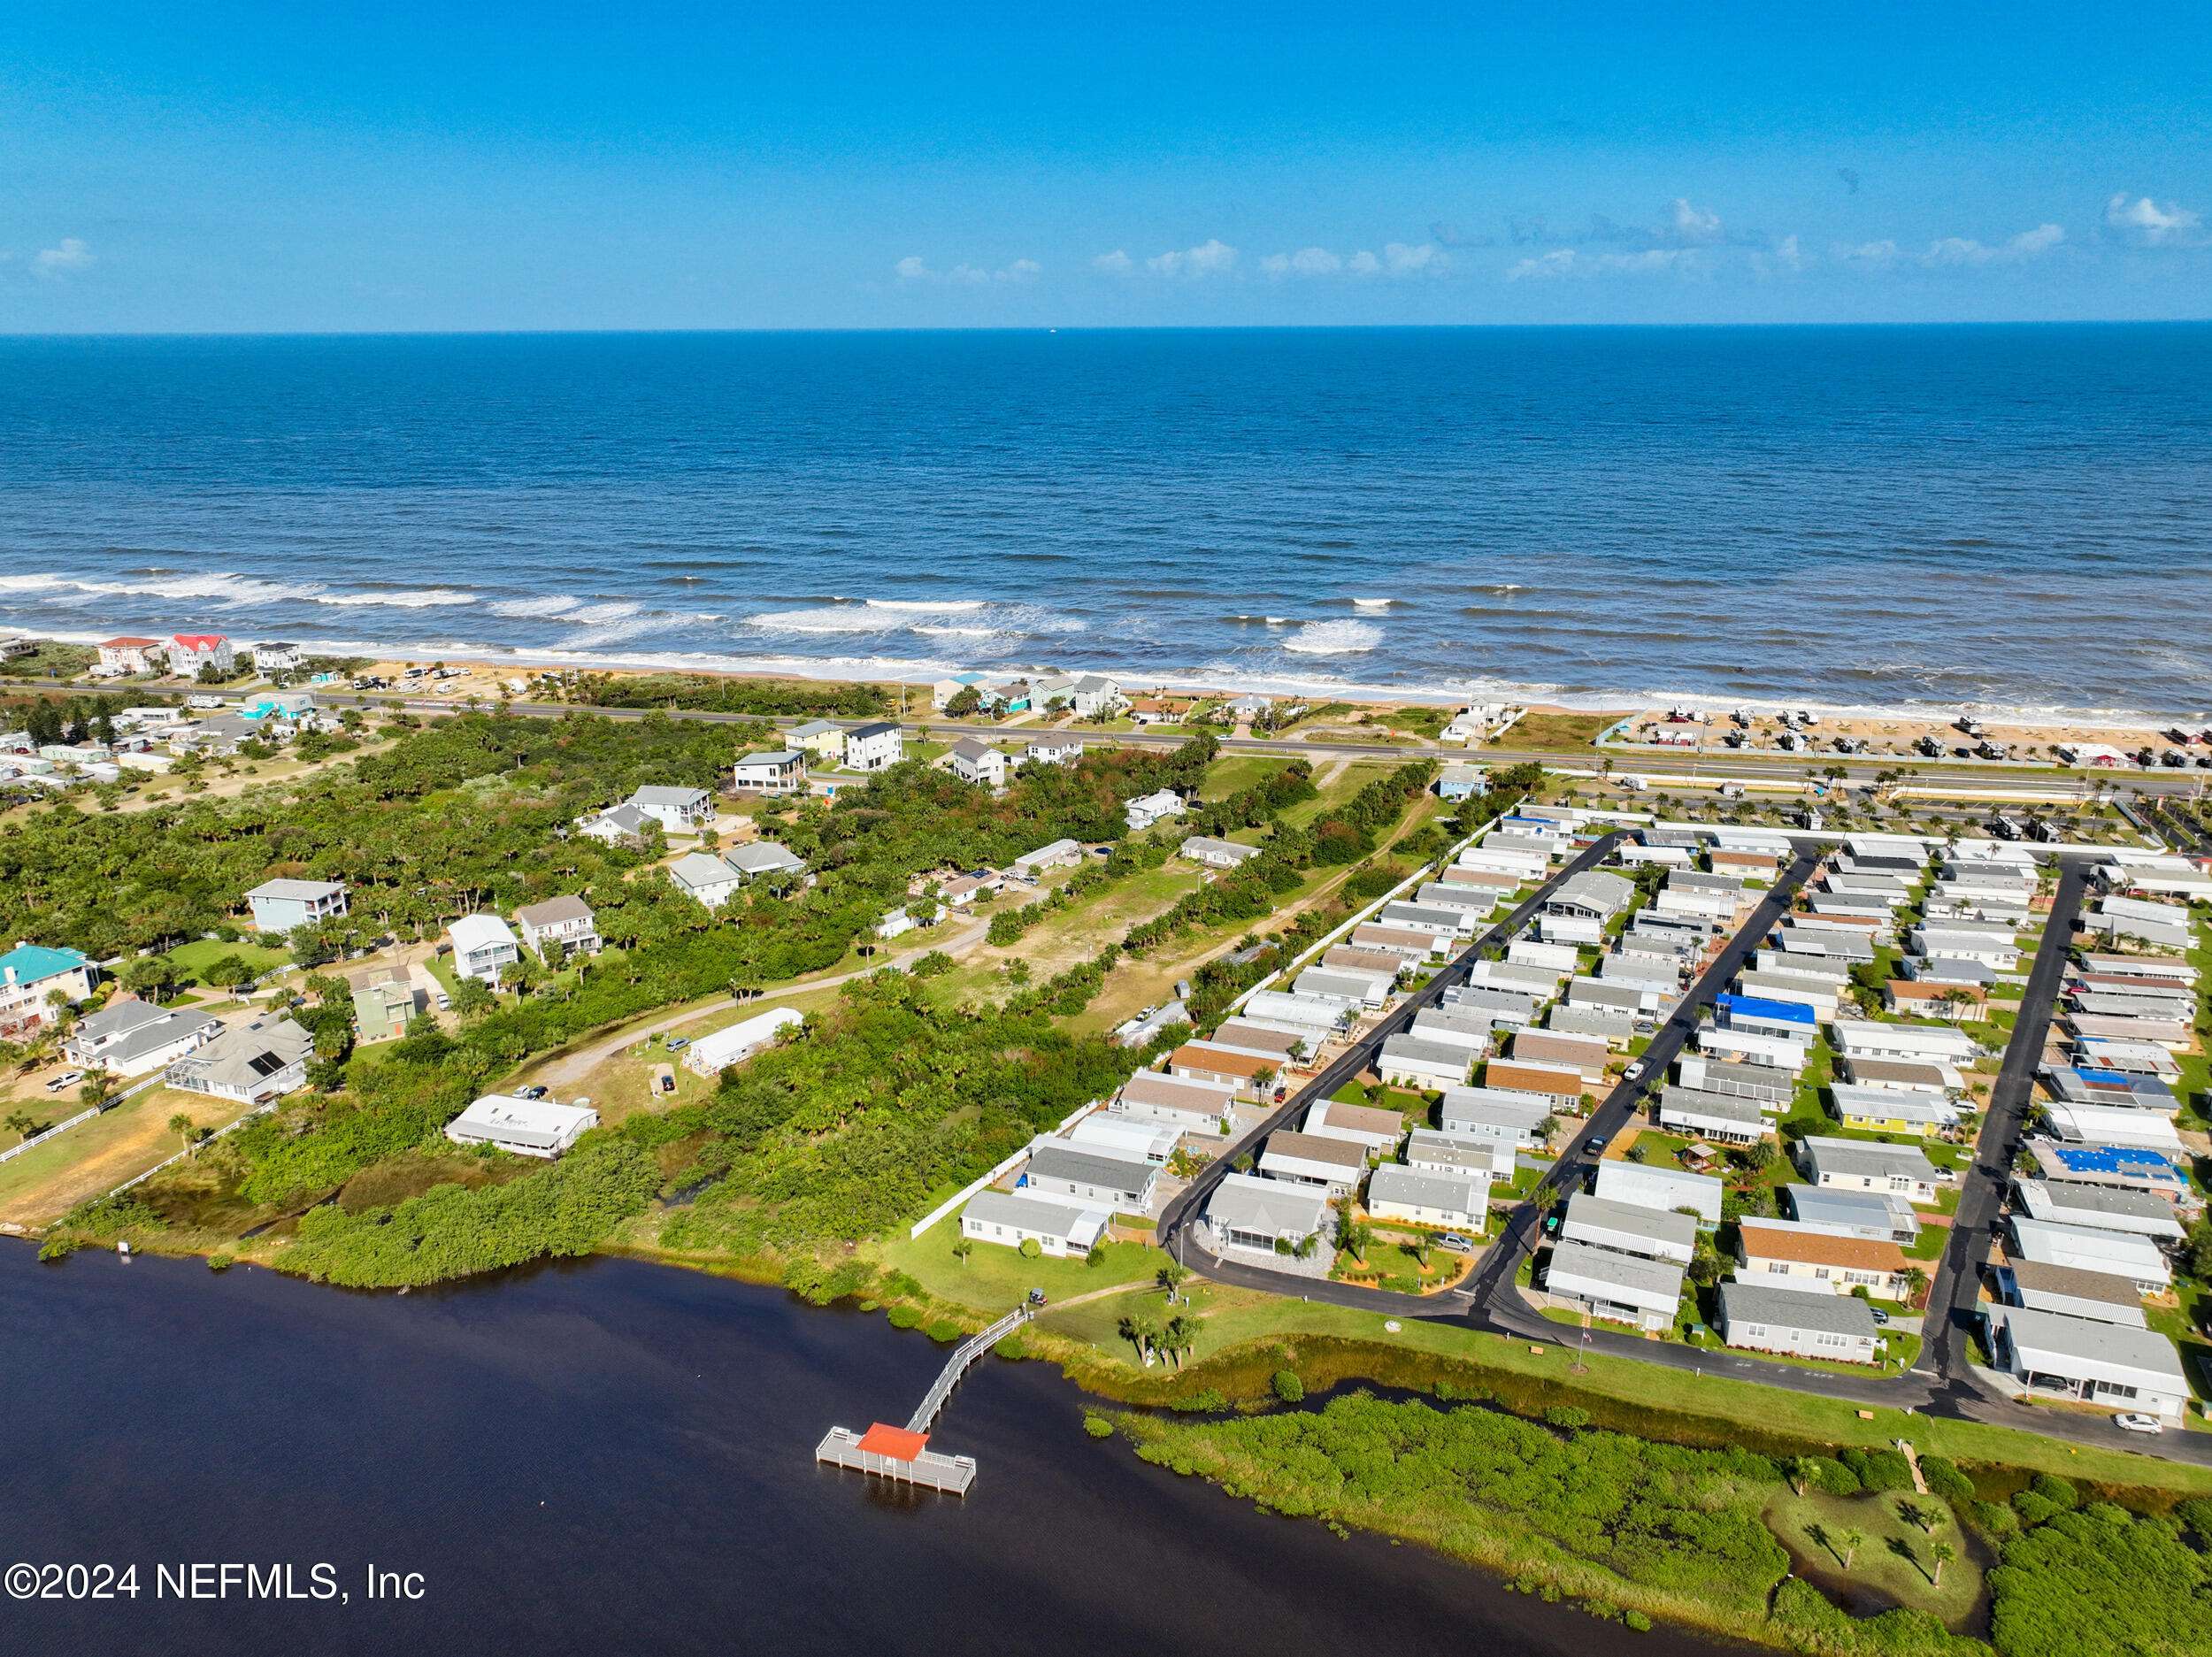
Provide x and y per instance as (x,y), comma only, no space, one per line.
(1537,698)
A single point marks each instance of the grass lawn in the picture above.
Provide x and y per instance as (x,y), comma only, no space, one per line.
(92,1159)
(1334,791)
(1232,1316)
(995,1279)
(1556,732)
(1233,772)
(1893,1560)
(190,960)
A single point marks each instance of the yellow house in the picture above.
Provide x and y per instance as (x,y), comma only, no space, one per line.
(1918,1113)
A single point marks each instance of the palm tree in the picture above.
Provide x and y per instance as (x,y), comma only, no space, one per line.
(1942,1553)
(1136,1331)
(962,1248)
(1179,1336)
(1171,1277)
(1852,1541)
(181,1126)
(1926,1518)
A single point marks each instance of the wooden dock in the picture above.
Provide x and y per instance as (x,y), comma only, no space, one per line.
(841,1447)
(902,1453)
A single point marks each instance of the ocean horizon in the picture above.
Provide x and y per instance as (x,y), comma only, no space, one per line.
(2006,518)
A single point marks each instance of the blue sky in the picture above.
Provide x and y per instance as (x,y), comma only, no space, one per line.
(228,167)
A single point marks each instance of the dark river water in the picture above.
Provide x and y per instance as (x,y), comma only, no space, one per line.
(613,1458)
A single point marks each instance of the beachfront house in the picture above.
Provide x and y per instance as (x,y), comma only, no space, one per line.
(189,652)
(525,1127)
(128,656)
(484,947)
(284,906)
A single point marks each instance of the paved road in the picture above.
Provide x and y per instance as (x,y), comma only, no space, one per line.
(1718,764)
(1496,1295)
(1956,1288)
(1176,1220)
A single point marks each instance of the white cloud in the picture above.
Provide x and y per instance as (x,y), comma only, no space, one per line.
(1877,253)
(915,269)
(1543,267)
(72,255)
(1211,258)
(1401,260)
(1397,259)
(2146,223)
(1964,250)
(1115,263)
(1694,223)
(1566,261)
(1787,256)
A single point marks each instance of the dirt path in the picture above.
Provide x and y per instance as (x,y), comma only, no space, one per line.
(570,1068)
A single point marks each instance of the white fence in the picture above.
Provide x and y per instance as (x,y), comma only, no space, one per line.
(1000,1172)
(14,1151)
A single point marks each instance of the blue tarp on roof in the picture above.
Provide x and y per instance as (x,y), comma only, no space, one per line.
(1759,1006)
(2112,1159)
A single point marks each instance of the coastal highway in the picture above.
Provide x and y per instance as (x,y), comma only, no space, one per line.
(1706,768)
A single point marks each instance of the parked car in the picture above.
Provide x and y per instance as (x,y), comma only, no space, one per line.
(1880,1316)
(1635,1071)
(2130,1420)
(676,1044)
(532,1092)
(67,1079)
(1457,1244)
(1594,1145)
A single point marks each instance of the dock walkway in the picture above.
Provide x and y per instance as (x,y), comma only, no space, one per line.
(902,1453)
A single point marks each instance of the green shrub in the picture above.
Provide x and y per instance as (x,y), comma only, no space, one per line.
(1994,1520)
(1030,1248)
(905,1317)
(1879,1471)
(944,1332)
(2058,1492)
(1945,1479)
(2034,1509)
(1289,1387)
(1097,1425)
(1567,1417)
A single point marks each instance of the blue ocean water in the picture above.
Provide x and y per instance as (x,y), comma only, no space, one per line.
(1989,516)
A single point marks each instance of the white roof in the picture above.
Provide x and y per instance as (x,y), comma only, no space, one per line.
(750,1032)
(1663,1188)
(480,932)
(525,1121)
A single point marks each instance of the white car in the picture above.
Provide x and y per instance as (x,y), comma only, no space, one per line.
(67,1079)
(1635,1071)
(2132,1420)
